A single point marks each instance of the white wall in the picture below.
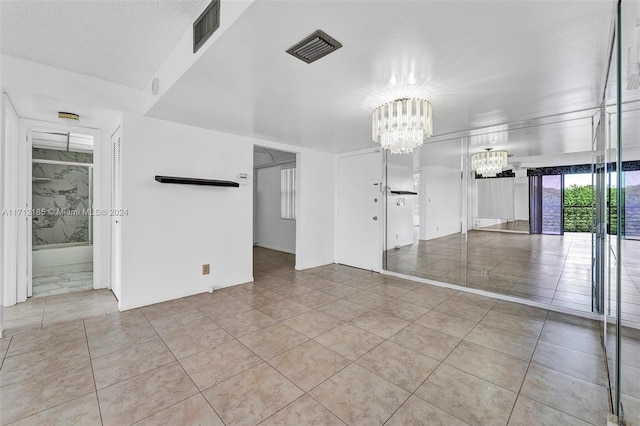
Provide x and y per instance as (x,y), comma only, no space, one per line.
(441,208)
(400,207)
(521,199)
(172,230)
(272,231)
(315,213)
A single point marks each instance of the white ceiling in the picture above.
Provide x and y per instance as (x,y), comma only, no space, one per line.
(120,41)
(481,63)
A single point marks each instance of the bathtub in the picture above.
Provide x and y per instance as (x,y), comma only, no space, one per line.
(69,257)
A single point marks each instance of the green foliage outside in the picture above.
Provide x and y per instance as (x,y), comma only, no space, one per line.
(579,209)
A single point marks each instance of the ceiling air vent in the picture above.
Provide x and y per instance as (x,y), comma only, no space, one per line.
(314,47)
(206,24)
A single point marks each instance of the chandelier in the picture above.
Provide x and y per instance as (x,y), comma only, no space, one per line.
(489,163)
(402,125)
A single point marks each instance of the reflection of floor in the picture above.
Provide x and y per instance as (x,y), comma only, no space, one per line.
(329,345)
(511,226)
(545,268)
(53,283)
(629,371)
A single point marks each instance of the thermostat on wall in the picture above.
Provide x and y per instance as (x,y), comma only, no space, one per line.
(243,179)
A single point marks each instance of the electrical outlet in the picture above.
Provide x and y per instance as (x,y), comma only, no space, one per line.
(206,269)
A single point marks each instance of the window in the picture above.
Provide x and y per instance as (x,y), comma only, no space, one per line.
(288,192)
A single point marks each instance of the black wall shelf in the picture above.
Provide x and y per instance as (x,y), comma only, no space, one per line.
(196,181)
(404,193)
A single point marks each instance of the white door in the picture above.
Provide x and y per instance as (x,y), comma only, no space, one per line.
(360,211)
(116,204)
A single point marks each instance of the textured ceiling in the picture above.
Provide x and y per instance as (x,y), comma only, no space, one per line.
(481,63)
(120,41)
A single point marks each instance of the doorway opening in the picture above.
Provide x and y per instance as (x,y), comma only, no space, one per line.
(274,209)
(61,231)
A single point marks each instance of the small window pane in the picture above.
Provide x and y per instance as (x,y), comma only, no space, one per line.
(288,193)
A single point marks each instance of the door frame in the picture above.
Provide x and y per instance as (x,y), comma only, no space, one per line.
(24,281)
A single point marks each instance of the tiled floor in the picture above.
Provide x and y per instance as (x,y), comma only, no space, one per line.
(328,346)
(546,268)
(43,312)
(54,283)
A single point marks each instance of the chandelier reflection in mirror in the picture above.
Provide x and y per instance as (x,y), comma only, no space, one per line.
(402,125)
(489,163)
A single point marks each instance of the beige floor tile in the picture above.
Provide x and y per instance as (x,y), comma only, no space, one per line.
(163,309)
(39,339)
(519,325)
(309,364)
(520,310)
(214,365)
(225,308)
(272,340)
(528,412)
(472,399)
(446,323)
(22,325)
(126,363)
(312,323)
(401,366)
(390,290)
(474,299)
(369,299)
(118,339)
(192,411)
(344,310)
(245,322)
(81,411)
(503,341)
(314,299)
(349,341)
(577,364)
(114,322)
(417,412)
(72,313)
(260,298)
(169,326)
(284,309)
(431,343)
(141,396)
(303,411)
(4,345)
(359,397)
(403,310)
(572,338)
(423,299)
(573,396)
(379,323)
(252,396)
(291,289)
(44,391)
(30,364)
(196,339)
(498,368)
(463,310)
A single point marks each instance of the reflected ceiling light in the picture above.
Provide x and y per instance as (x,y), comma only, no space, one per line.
(489,163)
(402,125)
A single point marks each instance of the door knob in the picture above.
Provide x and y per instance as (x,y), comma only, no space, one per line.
(375,218)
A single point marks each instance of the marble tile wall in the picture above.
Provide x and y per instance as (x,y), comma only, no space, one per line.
(60,202)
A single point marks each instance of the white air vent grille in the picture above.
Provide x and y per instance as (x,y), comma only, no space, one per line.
(314,47)
(206,24)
